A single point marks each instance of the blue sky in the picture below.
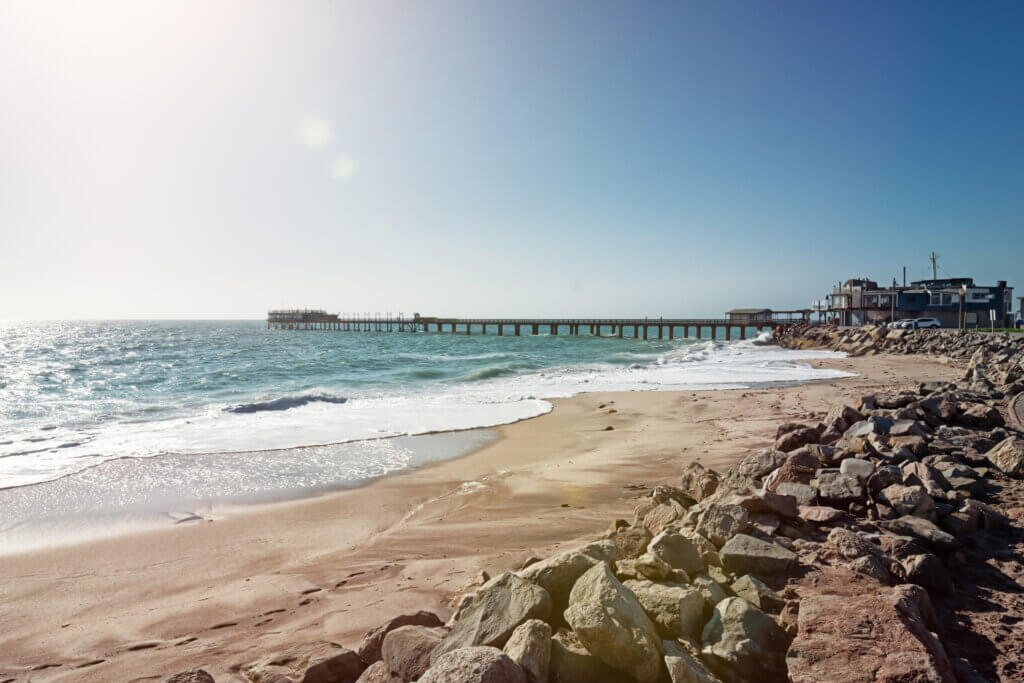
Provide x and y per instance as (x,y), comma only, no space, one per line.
(193,159)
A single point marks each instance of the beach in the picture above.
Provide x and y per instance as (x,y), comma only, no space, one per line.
(222,594)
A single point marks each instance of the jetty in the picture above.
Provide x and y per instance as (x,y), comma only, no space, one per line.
(742,321)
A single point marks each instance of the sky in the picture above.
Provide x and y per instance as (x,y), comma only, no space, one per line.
(196,159)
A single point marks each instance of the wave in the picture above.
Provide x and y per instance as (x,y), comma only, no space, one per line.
(285,403)
(490,372)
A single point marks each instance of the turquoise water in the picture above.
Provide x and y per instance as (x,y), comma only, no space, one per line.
(74,395)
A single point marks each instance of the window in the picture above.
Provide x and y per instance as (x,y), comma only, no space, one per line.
(947,299)
(936,299)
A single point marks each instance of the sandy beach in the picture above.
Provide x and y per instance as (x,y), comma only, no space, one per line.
(222,594)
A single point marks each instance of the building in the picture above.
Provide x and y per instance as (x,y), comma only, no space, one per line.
(755,316)
(954,302)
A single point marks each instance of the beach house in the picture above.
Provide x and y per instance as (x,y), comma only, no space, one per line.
(954,302)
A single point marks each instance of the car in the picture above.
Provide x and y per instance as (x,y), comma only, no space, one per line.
(901,324)
(926,323)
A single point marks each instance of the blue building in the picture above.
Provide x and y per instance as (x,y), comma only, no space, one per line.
(954,302)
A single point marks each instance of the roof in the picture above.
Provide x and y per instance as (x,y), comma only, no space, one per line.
(748,311)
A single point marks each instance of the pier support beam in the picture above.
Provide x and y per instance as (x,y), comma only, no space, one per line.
(660,331)
(517,330)
(645,332)
(728,333)
(535,329)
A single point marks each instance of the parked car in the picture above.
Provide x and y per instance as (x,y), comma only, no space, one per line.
(926,323)
(897,324)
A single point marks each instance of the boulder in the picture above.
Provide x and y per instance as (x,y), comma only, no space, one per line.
(376,673)
(908,428)
(647,566)
(699,482)
(474,665)
(711,590)
(760,463)
(743,643)
(764,500)
(529,646)
(921,529)
(799,468)
(571,662)
(862,469)
(369,649)
(744,554)
(880,636)
(927,571)
(872,425)
(677,550)
(630,541)
(849,544)
(406,650)
(757,593)
(883,477)
(612,624)
(1008,456)
(499,607)
(663,515)
(790,441)
(842,417)
(684,666)
(822,514)
(838,490)
(908,500)
(720,522)
(803,493)
(194,676)
(677,610)
(317,662)
(557,574)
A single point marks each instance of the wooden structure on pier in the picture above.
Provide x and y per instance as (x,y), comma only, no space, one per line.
(646,328)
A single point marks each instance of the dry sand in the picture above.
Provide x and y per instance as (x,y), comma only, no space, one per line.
(222,594)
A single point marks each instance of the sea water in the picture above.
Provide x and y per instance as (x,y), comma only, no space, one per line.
(98,417)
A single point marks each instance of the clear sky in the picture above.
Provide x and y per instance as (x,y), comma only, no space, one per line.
(215,159)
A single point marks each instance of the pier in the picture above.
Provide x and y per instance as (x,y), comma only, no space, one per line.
(636,328)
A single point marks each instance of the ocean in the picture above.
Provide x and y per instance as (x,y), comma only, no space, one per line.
(101,417)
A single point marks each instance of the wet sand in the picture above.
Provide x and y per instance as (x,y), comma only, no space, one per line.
(225,593)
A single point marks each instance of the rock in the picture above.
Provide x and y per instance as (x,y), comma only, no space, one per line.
(369,649)
(991,518)
(754,591)
(194,676)
(803,493)
(838,490)
(1008,456)
(907,428)
(862,469)
(677,550)
(499,607)
(981,415)
(571,662)
(683,666)
(873,566)
(872,425)
(677,610)
(630,541)
(474,665)
(720,522)
(908,500)
(790,441)
(317,662)
(557,574)
(663,515)
(611,624)
(529,646)
(883,477)
(849,544)
(822,514)
(698,482)
(881,636)
(406,650)
(647,566)
(763,500)
(711,590)
(922,529)
(376,673)
(842,417)
(744,554)
(743,643)
(760,463)
(927,571)
(920,474)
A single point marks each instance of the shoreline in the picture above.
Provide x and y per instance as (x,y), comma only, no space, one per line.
(332,566)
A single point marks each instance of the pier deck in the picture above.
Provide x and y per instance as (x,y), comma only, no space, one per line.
(646,328)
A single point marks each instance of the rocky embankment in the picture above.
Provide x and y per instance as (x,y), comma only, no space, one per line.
(881,543)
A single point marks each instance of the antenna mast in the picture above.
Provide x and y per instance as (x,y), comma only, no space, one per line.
(933,257)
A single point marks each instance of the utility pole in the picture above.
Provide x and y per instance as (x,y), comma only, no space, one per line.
(935,275)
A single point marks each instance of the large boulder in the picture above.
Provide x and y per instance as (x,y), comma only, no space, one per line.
(699,482)
(369,649)
(572,662)
(685,666)
(720,522)
(743,643)
(194,676)
(744,554)
(499,606)
(558,573)
(677,551)
(666,513)
(757,593)
(761,463)
(842,417)
(837,489)
(378,673)
(317,662)
(799,468)
(406,650)
(474,665)
(1008,456)
(790,441)
(908,500)
(613,625)
(880,636)
(529,646)
(677,610)
(921,529)
(630,541)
